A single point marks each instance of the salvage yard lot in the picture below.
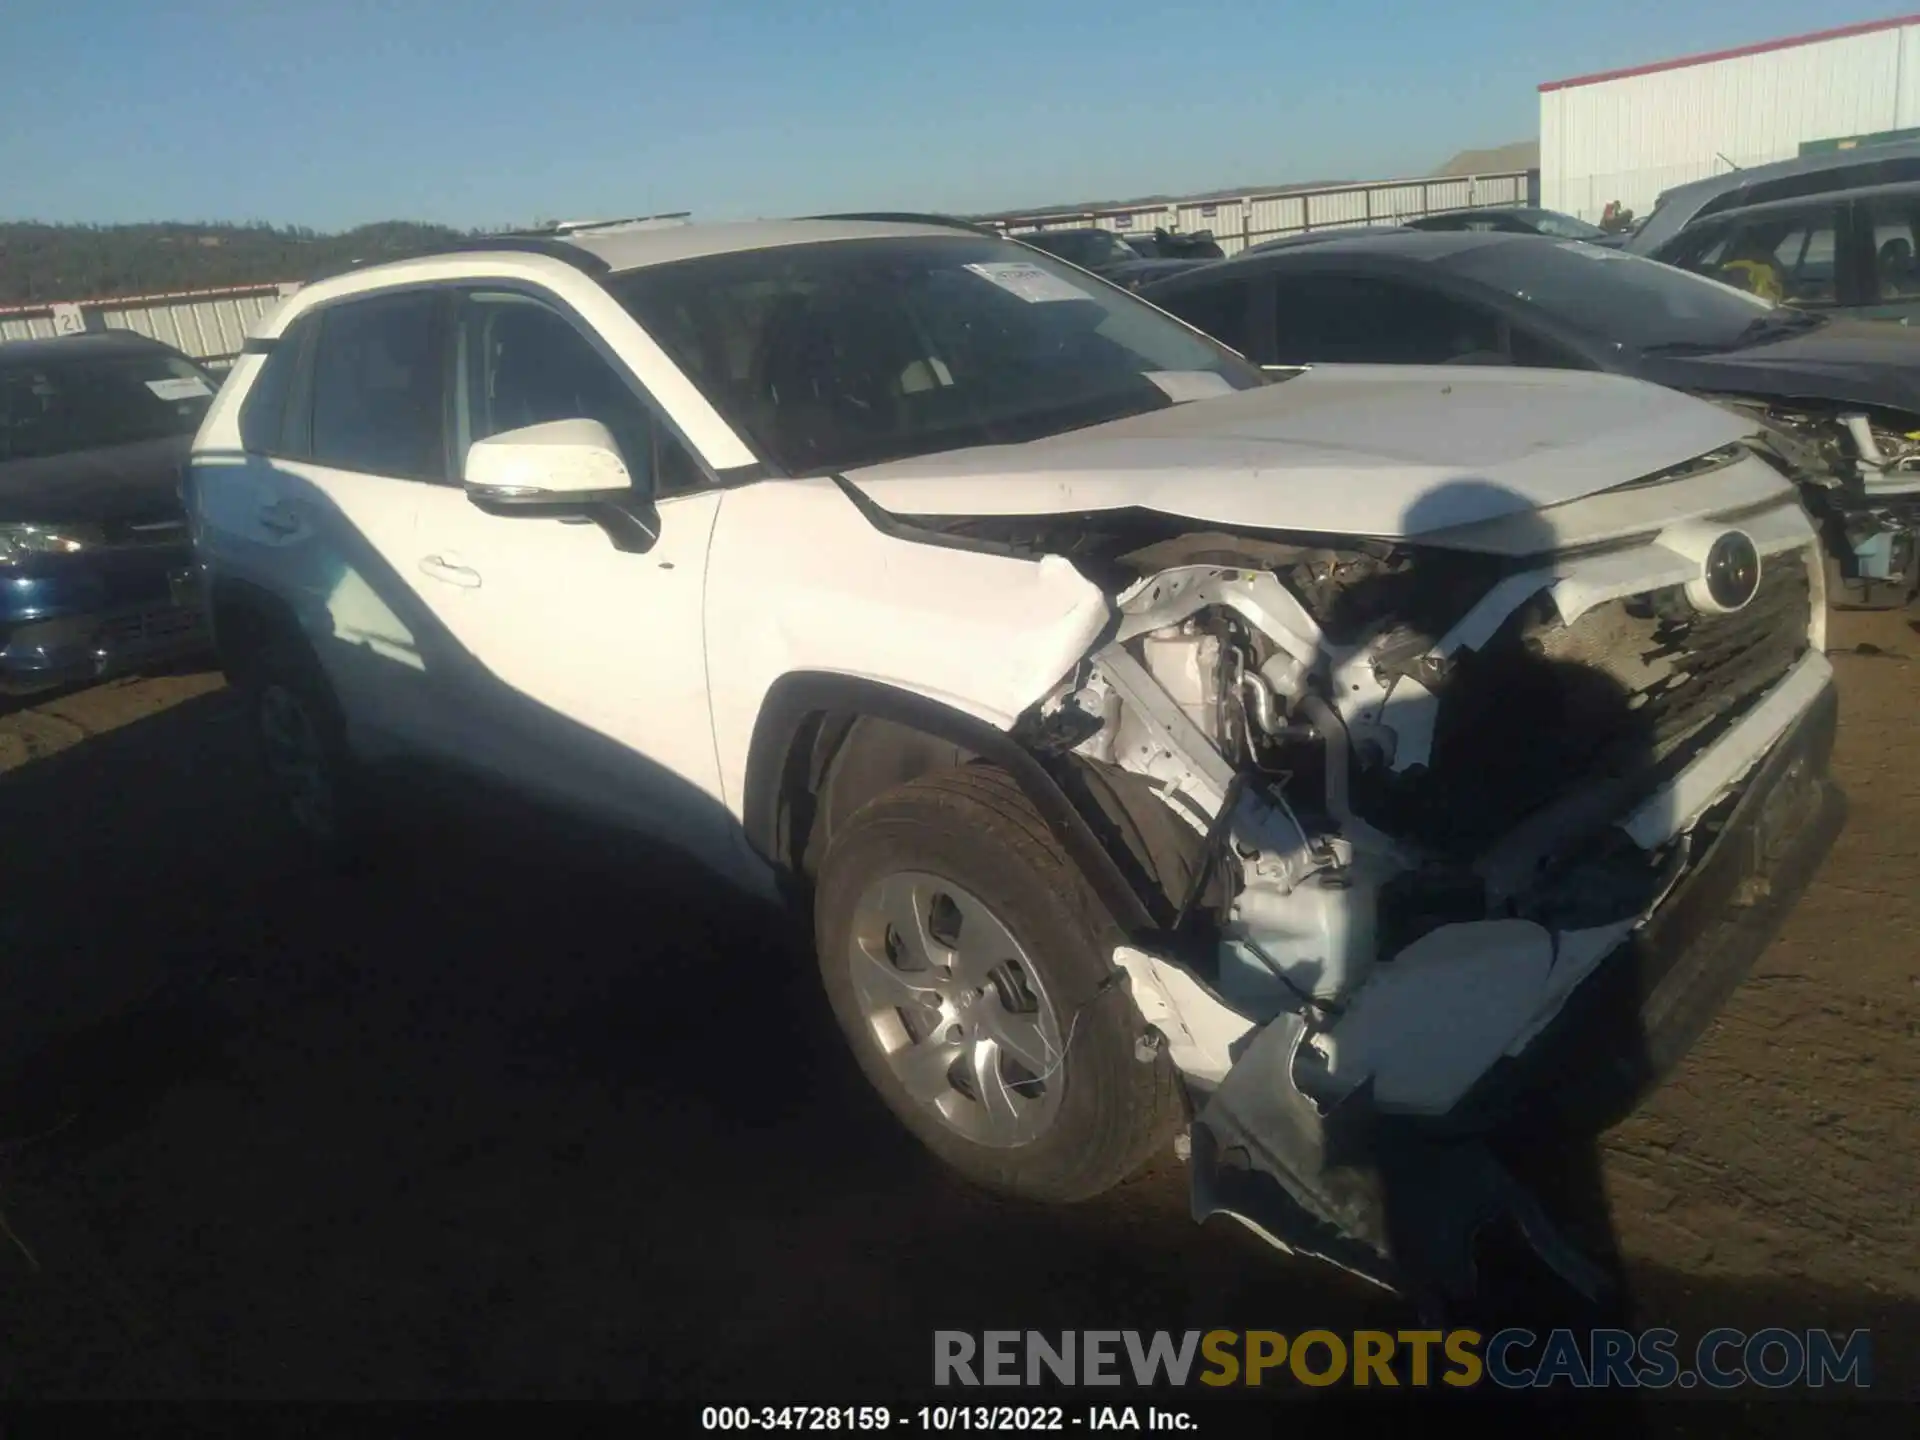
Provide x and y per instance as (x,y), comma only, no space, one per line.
(554,1119)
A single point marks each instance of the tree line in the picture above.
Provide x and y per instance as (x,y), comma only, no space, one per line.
(40,262)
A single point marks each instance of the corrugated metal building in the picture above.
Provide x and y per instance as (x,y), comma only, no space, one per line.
(209,325)
(1628,135)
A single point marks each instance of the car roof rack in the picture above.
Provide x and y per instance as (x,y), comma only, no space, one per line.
(907,217)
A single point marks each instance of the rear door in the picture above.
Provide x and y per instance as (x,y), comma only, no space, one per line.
(342,432)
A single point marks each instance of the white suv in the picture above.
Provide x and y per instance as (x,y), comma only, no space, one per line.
(1341,763)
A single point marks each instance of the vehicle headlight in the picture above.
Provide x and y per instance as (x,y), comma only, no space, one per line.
(17,542)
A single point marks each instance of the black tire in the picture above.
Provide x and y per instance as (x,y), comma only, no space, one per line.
(339,833)
(972,825)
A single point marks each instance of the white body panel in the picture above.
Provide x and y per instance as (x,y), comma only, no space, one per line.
(1391,451)
(591,686)
(983,634)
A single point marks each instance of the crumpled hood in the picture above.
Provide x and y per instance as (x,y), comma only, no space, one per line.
(1847,362)
(1373,450)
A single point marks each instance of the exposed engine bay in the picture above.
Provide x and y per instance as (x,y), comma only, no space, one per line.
(1860,471)
(1422,792)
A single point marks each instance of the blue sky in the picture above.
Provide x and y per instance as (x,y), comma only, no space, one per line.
(505,111)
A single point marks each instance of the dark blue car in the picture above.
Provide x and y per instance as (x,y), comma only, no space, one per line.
(96,567)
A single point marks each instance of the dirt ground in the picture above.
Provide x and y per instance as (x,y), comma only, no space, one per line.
(518,1116)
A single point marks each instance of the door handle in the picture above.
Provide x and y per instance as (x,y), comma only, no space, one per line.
(278,520)
(440,568)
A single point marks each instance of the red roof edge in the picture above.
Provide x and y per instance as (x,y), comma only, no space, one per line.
(1865,27)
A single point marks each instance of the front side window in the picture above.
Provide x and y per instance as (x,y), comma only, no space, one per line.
(846,353)
(64,404)
(520,362)
(1787,257)
(379,376)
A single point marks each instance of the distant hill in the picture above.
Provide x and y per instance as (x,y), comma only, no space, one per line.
(1520,155)
(40,262)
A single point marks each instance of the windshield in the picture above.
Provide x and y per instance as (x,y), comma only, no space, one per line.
(65,404)
(830,356)
(1612,295)
(1564,227)
(1088,249)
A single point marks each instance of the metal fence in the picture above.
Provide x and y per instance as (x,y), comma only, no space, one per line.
(209,325)
(1237,222)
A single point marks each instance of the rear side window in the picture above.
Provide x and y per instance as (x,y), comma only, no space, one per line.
(379,391)
(1223,311)
(264,413)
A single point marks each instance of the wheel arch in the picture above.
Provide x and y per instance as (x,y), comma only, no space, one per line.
(824,744)
(245,619)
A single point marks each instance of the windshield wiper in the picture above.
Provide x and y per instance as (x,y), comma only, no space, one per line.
(1772,326)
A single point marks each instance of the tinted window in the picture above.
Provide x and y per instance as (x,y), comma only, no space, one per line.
(523,363)
(1222,310)
(60,405)
(1895,223)
(1782,256)
(845,353)
(1613,296)
(1345,319)
(378,387)
(264,413)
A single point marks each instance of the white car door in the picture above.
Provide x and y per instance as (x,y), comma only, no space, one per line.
(320,508)
(590,685)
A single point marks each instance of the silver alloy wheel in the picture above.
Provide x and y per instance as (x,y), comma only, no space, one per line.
(957,1008)
(296,758)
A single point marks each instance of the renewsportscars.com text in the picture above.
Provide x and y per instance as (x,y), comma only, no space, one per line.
(1511,1359)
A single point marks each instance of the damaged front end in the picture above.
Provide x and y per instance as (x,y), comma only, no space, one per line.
(1860,473)
(1459,833)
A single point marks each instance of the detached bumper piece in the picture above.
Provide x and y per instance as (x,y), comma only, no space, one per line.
(1400,1199)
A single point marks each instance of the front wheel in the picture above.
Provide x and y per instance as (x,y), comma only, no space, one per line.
(300,738)
(971,969)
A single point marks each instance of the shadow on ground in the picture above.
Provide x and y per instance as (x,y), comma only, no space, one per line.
(526,1113)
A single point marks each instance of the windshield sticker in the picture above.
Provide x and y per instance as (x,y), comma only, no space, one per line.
(191,387)
(1029,282)
(1181,386)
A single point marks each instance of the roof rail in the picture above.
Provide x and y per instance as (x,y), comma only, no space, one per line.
(902,217)
(666,220)
(553,247)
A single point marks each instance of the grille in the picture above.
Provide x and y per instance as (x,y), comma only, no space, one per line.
(1632,690)
(156,625)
